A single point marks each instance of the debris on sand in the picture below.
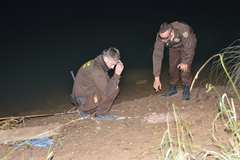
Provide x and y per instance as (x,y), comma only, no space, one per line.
(157,118)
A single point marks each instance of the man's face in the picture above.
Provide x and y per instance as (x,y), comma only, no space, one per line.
(166,36)
(110,62)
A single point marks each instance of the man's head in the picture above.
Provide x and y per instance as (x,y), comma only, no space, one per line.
(166,32)
(111,57)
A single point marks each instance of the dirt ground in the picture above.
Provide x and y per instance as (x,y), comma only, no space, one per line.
(131,137)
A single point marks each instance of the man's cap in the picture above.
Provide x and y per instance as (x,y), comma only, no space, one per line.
(112,52)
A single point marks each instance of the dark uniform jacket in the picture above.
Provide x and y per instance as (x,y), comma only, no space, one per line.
(92,81)
(184,38)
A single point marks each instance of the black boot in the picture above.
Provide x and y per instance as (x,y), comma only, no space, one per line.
(186,92)
(171,90)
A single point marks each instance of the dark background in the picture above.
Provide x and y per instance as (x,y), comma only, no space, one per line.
(41,41)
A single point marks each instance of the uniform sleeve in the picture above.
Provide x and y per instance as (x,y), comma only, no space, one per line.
(105,86)
(189,49)
(157,57)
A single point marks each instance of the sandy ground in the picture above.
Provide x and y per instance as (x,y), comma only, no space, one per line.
(130,138)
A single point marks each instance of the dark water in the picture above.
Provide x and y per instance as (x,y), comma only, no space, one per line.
(38,54)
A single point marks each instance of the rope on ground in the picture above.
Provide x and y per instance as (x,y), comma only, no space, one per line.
(42,135)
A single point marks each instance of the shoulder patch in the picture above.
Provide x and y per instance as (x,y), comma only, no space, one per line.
(185,34)
(87,64)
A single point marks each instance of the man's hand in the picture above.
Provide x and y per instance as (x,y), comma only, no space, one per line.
(119,68)
(183,67)
(157,84)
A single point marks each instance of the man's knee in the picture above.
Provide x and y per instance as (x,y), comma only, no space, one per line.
(116,92)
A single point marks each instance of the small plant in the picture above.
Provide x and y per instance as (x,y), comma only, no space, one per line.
(229,61)
(178,146)
(227,115)
(231,58)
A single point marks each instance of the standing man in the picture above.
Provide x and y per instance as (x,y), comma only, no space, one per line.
(93,90)
(181,41)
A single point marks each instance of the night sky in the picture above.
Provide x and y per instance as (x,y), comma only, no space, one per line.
(41,41)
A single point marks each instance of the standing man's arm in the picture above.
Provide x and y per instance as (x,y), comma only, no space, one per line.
(157,63)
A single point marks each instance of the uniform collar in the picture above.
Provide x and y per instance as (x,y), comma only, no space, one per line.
(101,62)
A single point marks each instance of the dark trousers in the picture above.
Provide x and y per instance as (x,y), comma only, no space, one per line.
(175,74)
(106,105)
(86,104)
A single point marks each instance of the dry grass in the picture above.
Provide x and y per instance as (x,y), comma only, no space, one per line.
(225,64)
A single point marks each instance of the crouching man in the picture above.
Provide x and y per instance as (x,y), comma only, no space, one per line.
(94,91)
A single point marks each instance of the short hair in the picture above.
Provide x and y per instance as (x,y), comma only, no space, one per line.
(112,53)
(165,27)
